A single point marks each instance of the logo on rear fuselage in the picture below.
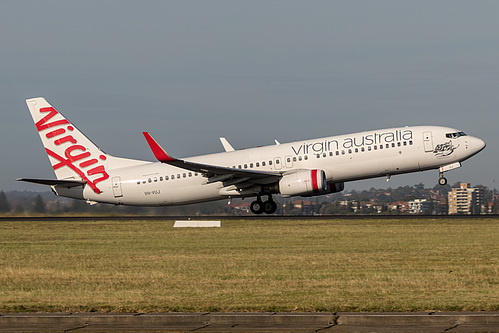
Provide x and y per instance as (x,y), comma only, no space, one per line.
(74,152)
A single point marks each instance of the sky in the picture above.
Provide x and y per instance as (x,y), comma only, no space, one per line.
(190,72)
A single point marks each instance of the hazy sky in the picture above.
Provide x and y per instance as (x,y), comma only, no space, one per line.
(253,71)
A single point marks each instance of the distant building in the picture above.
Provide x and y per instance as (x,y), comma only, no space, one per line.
(305,204)
(418,206)
(399,206)
(465,200)
(243,207)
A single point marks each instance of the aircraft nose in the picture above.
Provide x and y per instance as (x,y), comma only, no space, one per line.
(477,144)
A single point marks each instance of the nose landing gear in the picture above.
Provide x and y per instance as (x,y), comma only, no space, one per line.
(442,180)
(268,207)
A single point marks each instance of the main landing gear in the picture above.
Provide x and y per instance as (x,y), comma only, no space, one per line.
(268,207)
(442,180)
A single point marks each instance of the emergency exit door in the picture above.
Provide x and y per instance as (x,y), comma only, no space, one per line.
(117,187)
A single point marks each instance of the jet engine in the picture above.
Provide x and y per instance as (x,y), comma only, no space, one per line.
(304,182)
(331,188)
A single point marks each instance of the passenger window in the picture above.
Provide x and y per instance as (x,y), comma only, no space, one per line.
(342,152)
(257,164)
(393,144)
(288,159)
(294,159)
(251,165)
(323,154)
(410,143)
(178,176)
(398,144)
(166,178)
(246,166)
(155,179)
(239,166)
(369,148)
(337,152)
(190,174)
(276,161)
(195,174)
(149,180)
(405,143)
(263,163)
(185,175)
(380,146)
(299,158)
(375,147)
(270,162)
(362,149)
(318,155)
(305,157)
(138,182)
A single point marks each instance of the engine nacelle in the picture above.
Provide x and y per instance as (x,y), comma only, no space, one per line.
(331,188)
(305,182)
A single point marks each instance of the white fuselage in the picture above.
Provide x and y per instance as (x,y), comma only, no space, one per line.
(343,158)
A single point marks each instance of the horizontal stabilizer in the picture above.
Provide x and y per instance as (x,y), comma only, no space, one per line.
(53,182)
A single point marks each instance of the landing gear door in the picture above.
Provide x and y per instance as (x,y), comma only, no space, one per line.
(117,187)
(427,141)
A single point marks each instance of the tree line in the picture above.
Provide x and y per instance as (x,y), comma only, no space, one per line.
(372,201)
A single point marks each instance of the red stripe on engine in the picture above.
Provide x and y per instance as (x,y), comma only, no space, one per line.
(315,187)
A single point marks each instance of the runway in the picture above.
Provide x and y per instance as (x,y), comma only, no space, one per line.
(243,217)
(252,322)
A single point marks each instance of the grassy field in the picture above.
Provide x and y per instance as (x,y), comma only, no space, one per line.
(284,265)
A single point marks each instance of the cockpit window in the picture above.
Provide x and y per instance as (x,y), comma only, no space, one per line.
(455,135)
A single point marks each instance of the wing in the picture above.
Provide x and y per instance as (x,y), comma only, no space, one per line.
(229,176)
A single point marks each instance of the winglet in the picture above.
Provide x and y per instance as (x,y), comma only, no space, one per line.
(160,154)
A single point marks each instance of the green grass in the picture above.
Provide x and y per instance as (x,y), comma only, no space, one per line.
(305,265)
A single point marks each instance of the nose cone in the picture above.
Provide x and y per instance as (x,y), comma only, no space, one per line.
(477,145)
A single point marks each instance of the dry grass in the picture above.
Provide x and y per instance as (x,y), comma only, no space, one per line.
(147,266)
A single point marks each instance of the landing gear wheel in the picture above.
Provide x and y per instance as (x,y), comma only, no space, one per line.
(269,207)
(257,207)
(442,181)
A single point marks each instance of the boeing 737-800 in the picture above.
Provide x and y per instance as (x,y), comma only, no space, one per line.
(303,168)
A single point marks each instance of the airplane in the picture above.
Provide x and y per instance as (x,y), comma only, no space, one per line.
(302,168)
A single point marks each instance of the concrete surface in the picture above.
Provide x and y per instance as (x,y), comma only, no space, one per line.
(251,322)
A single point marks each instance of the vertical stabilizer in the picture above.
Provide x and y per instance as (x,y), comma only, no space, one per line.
(72,155)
